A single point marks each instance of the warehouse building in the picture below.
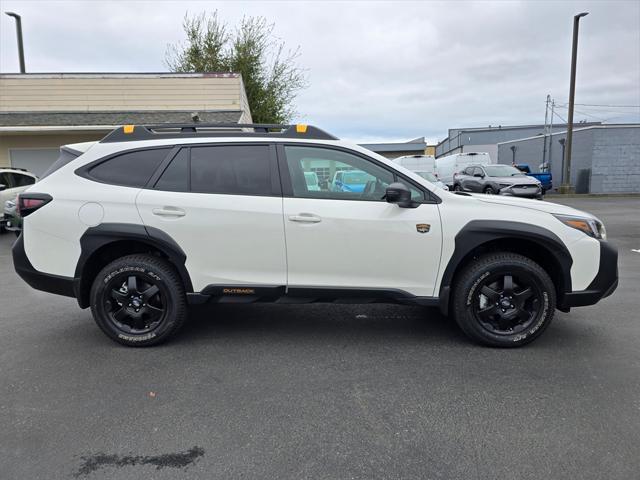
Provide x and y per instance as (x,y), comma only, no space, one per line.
(417,146)
(604,159)
(486,139)
(41,112)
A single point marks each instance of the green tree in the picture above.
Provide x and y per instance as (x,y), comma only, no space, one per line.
(271,75)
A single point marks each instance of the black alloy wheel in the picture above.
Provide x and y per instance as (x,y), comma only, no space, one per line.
(134,304)
(506,304)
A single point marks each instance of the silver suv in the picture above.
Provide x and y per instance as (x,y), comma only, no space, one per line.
(497,179)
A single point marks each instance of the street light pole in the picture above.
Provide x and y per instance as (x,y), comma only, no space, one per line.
(566,184)
(19,34)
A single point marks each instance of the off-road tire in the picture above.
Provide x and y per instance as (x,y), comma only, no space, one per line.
(148,270)
(468,297)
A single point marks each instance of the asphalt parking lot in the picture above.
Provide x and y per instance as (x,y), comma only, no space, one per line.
(323,391)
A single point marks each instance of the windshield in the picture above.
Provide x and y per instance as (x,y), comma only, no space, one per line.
(356,177)
(428,176)
(501,170)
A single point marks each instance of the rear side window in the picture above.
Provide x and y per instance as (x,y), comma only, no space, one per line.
(231,169)
(132,169)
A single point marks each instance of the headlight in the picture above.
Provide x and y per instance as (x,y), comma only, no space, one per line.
(590,226)
(504,185)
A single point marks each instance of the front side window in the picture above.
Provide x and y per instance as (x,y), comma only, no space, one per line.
(5,180)
(343,176)
(131,169)
(231,169)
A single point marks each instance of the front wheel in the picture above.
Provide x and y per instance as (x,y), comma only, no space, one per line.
(138,300)
(457,187)
(503,300)
(489,191)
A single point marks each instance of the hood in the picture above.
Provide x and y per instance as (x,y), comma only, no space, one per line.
(518,179)
(539,205)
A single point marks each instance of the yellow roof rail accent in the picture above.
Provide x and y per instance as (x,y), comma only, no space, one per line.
(128,128)
(301,128)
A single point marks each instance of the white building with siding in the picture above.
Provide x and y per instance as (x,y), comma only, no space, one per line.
(41,111)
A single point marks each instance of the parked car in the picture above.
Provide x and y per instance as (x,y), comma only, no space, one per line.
(497,179)
(447,167)
(415,163)
(10,220)
(432,178)
(350,181)
(545,178)
(14,181)
(157,218)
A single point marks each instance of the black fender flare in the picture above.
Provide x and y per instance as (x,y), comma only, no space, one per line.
(94,238)
(479,232)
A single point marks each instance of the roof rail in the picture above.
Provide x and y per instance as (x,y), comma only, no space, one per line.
(128,133)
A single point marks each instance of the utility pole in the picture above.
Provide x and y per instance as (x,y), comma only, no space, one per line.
(566,184)
(553,106)
(18,20)
(546,119)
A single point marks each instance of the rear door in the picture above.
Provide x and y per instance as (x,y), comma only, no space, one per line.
(223,205)
(355,240)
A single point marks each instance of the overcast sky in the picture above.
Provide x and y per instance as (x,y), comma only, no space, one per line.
(376,70)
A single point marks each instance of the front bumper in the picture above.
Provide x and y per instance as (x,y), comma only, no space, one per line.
(533,192)
(603,285)
(39,280)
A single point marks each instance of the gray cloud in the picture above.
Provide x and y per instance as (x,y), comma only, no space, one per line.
(377,70)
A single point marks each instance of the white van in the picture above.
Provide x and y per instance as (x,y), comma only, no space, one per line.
(417,163)
(447,166)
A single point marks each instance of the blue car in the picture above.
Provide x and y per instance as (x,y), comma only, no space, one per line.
(350,181)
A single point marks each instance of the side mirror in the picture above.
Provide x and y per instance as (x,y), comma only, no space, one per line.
(2,187)
(399,194)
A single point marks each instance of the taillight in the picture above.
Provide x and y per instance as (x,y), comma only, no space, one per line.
(30,202)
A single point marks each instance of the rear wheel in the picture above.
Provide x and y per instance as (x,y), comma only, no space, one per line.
(138,300)
(504,300)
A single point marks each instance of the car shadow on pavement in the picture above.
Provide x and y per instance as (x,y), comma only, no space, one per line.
(309,323)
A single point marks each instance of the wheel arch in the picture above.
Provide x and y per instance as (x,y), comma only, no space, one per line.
(106,242)
(534,242)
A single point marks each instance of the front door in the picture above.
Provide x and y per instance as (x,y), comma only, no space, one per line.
(222,204)
(352,238)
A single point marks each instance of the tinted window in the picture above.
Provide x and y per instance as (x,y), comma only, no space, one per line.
(5,180)
(20,180)
(232,169)
(175,178)
(133,169)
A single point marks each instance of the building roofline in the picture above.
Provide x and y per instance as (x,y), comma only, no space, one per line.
(564,132)
(120,75)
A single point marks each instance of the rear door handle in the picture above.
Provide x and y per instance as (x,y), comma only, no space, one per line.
(305,218)
(169,212)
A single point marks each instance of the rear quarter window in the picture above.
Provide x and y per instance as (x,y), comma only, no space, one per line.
(130,169)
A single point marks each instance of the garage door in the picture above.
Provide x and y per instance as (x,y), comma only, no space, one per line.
(35,160)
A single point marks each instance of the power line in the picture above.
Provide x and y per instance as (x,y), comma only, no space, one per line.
(602,105)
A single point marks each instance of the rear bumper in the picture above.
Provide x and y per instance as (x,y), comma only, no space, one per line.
(603,284)
(39,280)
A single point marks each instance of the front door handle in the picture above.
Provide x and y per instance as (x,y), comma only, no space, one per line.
(169,212)
(305,218)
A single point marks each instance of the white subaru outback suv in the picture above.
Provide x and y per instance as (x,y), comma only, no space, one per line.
(154,218)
